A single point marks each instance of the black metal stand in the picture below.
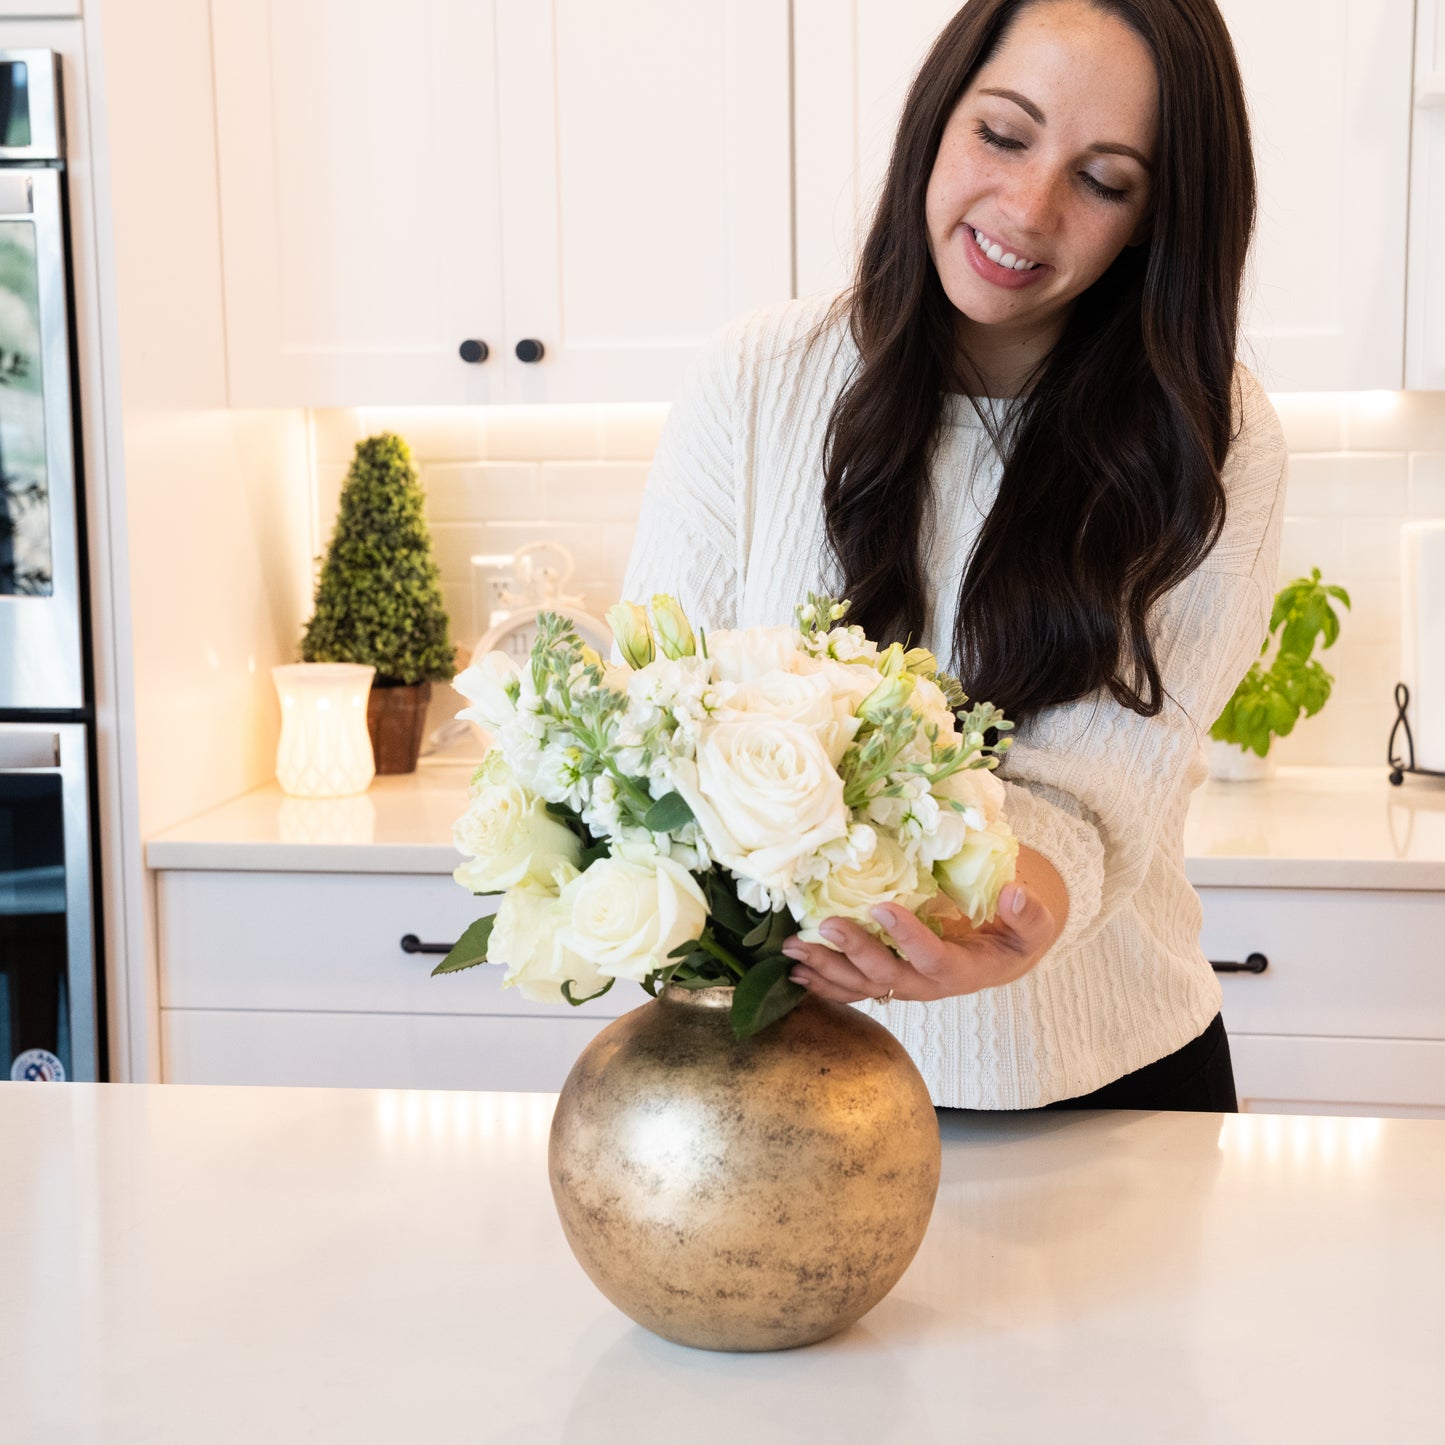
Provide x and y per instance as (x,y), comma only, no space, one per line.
(1398,769)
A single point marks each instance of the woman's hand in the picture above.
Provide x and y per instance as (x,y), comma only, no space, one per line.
(965,960)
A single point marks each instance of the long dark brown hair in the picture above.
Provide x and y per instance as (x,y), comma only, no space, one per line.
(1111,490)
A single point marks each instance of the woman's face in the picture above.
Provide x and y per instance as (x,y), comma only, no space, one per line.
(1045,161)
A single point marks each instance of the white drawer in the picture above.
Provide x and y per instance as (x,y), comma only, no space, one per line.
(1381,1078)
(332,941)
(1341,962)
(372,1050)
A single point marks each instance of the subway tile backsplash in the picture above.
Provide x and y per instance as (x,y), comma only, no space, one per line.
(499,477)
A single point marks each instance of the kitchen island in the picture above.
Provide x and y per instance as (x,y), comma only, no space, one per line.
(244,1264)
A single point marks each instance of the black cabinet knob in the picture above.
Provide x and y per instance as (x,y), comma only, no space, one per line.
(474,351)
(530,350)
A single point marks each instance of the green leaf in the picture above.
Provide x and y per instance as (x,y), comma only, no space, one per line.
(668,812)
(470,949)
(586,998)
(726,907)
(763,995)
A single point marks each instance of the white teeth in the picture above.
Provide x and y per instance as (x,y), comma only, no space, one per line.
(999,256)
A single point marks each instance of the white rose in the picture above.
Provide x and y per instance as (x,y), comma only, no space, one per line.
(626,914)
(748,653)
(932,706)
(491,687)
(978,790)
(809,700)
(765,795)
(885,875)
(507,836)
(527,939)
(975,876)
(850,682)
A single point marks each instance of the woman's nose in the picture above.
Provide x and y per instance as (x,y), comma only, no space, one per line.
(1030,202)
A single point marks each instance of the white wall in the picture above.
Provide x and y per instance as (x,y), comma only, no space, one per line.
(213,507)
(1360,465)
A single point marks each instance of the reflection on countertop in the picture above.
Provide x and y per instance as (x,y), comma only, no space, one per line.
(1303,828)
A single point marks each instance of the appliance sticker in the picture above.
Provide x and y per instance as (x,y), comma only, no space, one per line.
(37,1066)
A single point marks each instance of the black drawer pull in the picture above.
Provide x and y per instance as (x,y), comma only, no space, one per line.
(410,943)
(1254,963)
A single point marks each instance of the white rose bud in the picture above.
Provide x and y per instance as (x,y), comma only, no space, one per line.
(629,627)
(975,876)
(507,836)
(671,628)
(526,938)
(891,693)
(627,914)
(851,890)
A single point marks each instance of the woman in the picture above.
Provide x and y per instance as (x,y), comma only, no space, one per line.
(1022,440)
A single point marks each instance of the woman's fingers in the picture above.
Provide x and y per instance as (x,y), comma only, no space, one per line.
(857,962)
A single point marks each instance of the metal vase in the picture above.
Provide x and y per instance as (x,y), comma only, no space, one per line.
(753,1195)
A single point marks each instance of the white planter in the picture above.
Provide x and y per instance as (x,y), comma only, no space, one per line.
(325,749)
(1229,763)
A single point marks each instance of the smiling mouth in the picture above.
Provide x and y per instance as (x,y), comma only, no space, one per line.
(996,253)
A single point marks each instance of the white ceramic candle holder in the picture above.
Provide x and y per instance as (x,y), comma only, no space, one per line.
(325,749)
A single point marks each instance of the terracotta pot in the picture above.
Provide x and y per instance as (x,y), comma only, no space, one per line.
(396,719)
(744,1196)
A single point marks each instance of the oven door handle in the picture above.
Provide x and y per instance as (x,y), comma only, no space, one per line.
(26,750)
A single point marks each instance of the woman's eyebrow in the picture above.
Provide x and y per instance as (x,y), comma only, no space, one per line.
(1104,147)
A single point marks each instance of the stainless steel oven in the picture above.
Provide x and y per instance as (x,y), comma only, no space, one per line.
(49,969)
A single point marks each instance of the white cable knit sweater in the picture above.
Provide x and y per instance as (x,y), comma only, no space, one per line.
(732,525)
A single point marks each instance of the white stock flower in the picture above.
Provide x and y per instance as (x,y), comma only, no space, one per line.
(626,913)
(527,939)
(975,876)
(793,697)
(507,836)
(850,890)
(486,686)
(765,795)
(747,653)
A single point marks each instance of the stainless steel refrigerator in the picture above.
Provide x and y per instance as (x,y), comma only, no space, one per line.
(50,974)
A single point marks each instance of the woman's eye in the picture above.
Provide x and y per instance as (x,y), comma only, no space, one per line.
(1105,193)
(992,138)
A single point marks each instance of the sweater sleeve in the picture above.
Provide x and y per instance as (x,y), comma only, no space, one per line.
(1088,783)
(686,542)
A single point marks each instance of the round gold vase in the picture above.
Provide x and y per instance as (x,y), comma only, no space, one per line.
(750,1195)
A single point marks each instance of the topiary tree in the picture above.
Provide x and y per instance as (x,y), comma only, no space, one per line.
(379,599)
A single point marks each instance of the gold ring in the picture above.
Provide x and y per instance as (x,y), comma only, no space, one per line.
(884,997)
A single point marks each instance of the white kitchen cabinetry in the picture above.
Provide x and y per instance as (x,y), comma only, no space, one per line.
(1349,1015)
(300,978)
(1328,86)
(611,183)
(1425,323)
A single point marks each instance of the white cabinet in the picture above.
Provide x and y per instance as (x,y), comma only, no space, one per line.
(300,978)
(1425,323)
(612,183)
(1328,88)
(1349,1015)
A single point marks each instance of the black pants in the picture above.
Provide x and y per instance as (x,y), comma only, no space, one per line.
(1199,1076)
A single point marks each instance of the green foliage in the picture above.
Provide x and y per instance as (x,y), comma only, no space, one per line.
(470,949)
(379,599)
(1269,700)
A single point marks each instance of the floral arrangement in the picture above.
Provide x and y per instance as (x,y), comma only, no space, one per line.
(676,819)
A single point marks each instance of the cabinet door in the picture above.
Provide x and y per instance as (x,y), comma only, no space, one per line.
(645,186)
(357,153)
(1327,82)
(1377,1078)
(1425,321)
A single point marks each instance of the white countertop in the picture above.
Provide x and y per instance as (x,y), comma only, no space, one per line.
(1305,828)
(239,1265)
